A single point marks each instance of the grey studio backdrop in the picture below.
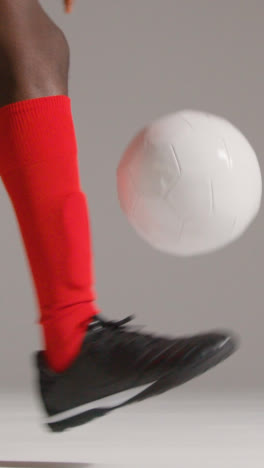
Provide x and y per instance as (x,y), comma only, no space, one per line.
(131,62)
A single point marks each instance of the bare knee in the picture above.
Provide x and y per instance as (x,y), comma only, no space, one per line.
(34,53)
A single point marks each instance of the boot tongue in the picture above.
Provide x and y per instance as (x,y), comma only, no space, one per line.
(94,324)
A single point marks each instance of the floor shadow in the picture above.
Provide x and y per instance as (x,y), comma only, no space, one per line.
(31,464)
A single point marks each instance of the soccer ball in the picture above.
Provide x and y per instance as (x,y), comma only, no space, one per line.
(189,183)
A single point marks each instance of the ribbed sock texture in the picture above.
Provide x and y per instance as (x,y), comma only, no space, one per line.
(39,169)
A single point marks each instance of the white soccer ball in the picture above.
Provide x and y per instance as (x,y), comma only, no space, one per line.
(189,183)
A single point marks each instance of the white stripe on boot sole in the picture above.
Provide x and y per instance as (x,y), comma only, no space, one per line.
(106,402)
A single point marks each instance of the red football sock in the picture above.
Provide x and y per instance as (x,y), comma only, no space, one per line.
(39,169)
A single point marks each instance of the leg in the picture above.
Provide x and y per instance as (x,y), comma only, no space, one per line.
(39,168)
(34,53)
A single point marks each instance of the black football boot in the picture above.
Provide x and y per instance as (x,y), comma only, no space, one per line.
(119,365)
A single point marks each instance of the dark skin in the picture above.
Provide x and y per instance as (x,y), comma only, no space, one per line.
(34,53)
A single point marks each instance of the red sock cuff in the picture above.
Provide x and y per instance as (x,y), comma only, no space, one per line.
(47,128)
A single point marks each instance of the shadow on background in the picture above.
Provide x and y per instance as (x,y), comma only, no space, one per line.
(31,464)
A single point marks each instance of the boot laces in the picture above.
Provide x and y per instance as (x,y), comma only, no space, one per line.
(119,327)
